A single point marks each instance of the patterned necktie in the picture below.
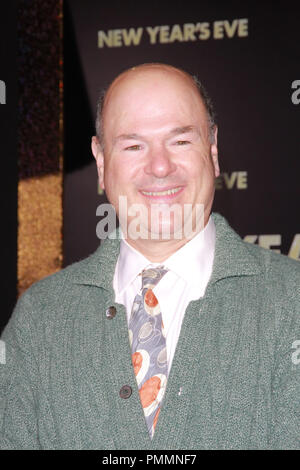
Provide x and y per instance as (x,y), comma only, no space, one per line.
(148,343)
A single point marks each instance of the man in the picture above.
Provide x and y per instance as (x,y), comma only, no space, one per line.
(155,342)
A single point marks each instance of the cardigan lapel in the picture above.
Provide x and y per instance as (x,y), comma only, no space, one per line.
(232,256)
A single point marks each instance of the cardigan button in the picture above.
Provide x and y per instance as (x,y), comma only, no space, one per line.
(111,312)
(125,391)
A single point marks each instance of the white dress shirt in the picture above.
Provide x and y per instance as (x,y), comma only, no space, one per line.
(189,271)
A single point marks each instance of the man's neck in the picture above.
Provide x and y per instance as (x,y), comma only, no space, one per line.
(157,251)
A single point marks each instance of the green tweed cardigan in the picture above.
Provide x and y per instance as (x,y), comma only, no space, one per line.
(235,378)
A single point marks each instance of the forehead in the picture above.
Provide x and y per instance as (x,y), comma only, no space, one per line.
(151,93)
(149,73)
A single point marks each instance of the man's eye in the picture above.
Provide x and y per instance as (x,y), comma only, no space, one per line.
(182,142)
(133,147)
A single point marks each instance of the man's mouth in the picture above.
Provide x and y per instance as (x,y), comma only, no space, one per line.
(166,192)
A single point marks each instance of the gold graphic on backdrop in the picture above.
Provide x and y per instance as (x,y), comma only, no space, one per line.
(40,187)
(39,234)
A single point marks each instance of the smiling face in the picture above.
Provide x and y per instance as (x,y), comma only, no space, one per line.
(157,147)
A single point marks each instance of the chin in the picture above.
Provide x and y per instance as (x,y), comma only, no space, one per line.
(166,232)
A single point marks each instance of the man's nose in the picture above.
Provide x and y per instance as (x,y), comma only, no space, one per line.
(159,163)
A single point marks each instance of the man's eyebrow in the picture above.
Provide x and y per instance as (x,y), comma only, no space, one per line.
(184,130)
(175,131)
(127,137)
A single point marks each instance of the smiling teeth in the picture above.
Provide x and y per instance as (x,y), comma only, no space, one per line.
(161,193)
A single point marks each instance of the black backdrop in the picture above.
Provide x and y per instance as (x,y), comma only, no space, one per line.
(8,154)
(249,77)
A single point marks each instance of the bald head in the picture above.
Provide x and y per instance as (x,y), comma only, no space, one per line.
(159,74)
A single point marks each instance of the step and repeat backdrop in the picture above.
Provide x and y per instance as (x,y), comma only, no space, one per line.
(246,54)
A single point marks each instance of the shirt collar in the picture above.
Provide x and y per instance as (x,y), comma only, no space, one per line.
(192,261)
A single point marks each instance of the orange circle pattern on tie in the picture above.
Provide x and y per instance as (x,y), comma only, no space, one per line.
(150,298)
(137,361)
(149,391)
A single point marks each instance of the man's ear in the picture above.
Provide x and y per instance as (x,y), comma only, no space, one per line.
(214,153)
(99,157)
